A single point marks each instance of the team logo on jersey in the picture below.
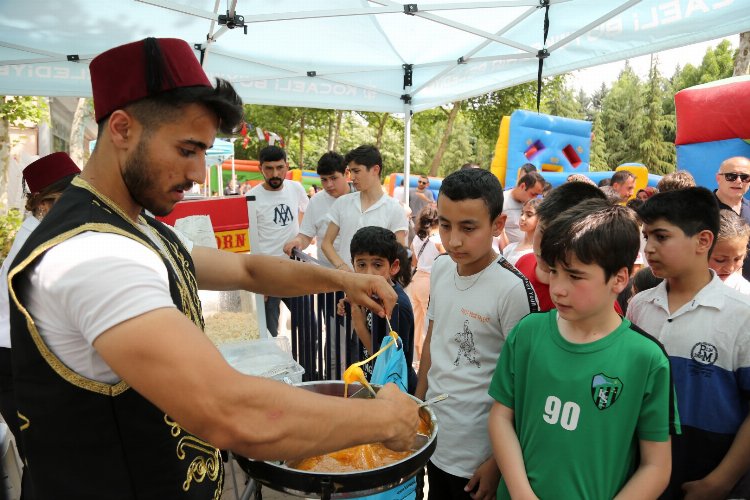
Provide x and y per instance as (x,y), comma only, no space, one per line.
(466,347)
(704,353)
(605,390)
(282,215)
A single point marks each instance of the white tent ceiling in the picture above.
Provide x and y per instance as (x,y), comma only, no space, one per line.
(350,54)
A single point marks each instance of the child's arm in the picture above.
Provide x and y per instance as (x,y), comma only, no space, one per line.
(328,250)
(720,481)
(424,364)
(359,323)
(507,451)
(652,476)
(485,480)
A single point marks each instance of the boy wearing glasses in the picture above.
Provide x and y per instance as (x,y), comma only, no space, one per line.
(733,180)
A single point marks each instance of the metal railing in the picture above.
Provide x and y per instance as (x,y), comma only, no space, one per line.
(322,341)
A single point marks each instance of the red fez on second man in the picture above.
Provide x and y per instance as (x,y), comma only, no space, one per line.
(47,170)
(121,75)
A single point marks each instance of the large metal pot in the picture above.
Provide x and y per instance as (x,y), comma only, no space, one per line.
(327,485)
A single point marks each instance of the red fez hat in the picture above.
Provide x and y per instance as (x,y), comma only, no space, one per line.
(48,170)
(142,69)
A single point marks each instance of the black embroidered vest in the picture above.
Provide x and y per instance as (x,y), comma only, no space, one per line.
(90,440)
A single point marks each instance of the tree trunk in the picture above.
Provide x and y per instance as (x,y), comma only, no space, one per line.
(4,163)
(302,141)
(77,150)
(444,141)
(742,61)
(330,134)
(336,130)
(381,129)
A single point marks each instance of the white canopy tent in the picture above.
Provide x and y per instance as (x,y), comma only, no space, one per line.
(376,55)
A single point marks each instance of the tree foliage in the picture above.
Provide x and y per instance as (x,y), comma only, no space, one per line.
(655,152)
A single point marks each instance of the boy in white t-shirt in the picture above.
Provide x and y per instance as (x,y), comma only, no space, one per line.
(279,206)
(369,206)
(476,298)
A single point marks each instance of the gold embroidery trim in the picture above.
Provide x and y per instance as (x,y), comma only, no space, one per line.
(201,467)
(26,424)
(186,284)
(55,363)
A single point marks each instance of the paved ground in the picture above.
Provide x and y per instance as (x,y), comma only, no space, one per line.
(230,493)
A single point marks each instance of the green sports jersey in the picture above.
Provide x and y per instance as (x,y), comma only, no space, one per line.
(580,409)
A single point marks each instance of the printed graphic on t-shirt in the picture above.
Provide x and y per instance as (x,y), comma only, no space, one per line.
(605,390)
(466,347)
(282,214)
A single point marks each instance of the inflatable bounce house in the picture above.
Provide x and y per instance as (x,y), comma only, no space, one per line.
(712,125)
(394,180)
(248,171)
(557,147)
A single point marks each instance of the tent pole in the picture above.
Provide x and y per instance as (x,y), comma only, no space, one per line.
(407,152)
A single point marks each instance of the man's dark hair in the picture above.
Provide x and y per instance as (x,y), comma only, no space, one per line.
(474,184)
(366,155)
(692,209)
(271,153)
(530,180)
(330,163)
(620,176)
(527,168)
(153,112)
(564,197)
(469,165)
(604,182)
(595,232)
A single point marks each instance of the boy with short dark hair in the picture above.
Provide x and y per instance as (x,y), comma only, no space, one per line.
(476,298)
(581,392)
(375,250)
(559,199)
(369,206)
(705,328)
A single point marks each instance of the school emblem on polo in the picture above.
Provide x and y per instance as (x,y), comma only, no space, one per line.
(282,215)
(605,390)
(704,353)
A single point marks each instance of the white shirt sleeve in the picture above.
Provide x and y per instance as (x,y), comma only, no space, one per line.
(302,197)
(334,215)
(310,221)
(88,284)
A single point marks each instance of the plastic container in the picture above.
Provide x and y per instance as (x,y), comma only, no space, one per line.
(269,358)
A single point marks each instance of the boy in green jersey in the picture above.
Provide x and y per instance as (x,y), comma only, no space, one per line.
(579,391)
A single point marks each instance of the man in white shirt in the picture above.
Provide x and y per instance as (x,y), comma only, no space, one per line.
(279,206)
(100,278)
(369,206)
(529,186)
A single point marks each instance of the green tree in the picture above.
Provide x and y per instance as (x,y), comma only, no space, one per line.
(599,159)
(717,63)
(657,154)
(558,99)
(15,111)
(622,109)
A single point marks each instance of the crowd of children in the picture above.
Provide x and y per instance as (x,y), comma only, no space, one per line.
(578,399)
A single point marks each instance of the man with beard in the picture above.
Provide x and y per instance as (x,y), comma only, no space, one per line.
(120,395)
(279,206)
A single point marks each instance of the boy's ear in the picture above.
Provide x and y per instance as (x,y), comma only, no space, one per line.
(704,240)
(498,224)
(395,267)
(620,280)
